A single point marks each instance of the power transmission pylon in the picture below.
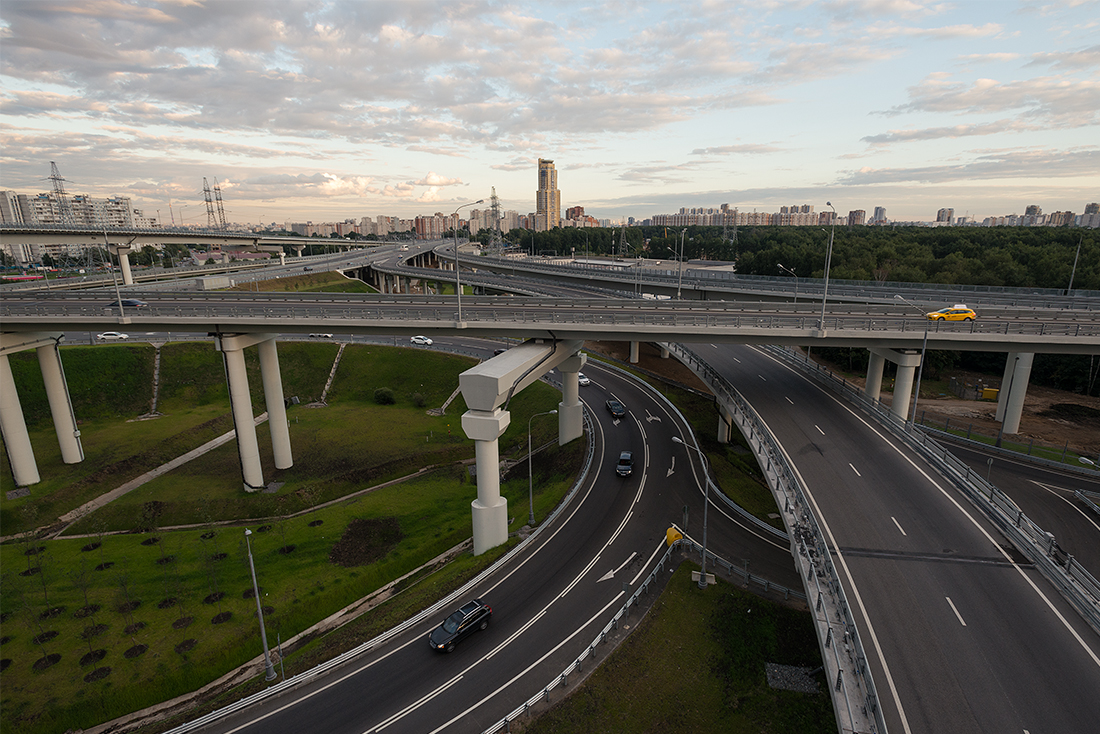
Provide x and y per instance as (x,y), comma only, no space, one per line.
(494,203)
(211,220)
(221,209)
(64,208)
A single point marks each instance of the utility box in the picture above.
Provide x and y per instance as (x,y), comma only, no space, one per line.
(213,283)
(990,393)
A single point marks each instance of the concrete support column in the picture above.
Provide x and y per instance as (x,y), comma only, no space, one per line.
(633,352)
(18,442)
(664,352)
(724,421)
(247,446)
(276,406)
(124,263)
(1010,399)
(873,388)
(490,510)
(903,390)
(570,410)
(61,407)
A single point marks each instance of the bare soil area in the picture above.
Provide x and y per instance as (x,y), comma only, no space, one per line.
(1052,417)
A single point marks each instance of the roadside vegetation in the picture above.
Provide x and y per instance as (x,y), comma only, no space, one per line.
(696,663)
(150,596)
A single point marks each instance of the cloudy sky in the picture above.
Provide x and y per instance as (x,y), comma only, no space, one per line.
(325,110)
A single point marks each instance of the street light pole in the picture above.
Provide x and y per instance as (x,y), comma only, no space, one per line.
(923,352)
(680,278)
(530,474)
(271,675)
(458,268)
(706,503)
(781,267)
(828,262)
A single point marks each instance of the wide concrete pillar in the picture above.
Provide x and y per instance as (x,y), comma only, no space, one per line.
(241,401)
(724,421)
(903,390)
(1010,399)
(276,406)
(490,510)
(14,429)
(124,262)
(664,351)
(873,388)
(570,410)
(61,407)
(633,352)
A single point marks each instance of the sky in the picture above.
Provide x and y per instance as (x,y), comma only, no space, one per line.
(322,111)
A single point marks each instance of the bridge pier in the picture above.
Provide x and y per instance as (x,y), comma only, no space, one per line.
(907,362)
(490,510)
(1010,398)
(13,425)
(123,252)
(232,348)
(570,410)
(633,352)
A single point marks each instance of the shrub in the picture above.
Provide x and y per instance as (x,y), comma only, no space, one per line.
(384,396)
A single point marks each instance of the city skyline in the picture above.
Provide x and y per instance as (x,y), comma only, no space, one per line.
(338,110)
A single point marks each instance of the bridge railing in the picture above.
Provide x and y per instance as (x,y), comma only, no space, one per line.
(1076,584)
(855,698)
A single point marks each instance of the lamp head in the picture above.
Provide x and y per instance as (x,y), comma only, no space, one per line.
(247,531)
(553,412)
(677,439)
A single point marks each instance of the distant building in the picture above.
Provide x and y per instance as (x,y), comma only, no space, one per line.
(857,216)
(880,215)
(574,212)
(80,210)
(945,215)
(547,198)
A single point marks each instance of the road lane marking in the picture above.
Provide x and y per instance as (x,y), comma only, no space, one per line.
(855,470)
(955,610)
(412,707)
(898,524)
(788,400)
(819,429)
(1076,509)
(611,574)
(765,379)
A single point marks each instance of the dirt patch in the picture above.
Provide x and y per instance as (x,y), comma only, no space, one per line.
(365,541)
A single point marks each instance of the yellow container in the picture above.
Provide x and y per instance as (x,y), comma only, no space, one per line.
(990,393)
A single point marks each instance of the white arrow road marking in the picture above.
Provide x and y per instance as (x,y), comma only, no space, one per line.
(611,574)
(671,469)
(650,418)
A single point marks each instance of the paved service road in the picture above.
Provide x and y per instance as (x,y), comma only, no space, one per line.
(961,637)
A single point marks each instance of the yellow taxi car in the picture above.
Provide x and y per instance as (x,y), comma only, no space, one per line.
(958,312)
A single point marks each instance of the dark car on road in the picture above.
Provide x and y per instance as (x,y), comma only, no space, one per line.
(128,303)
(471,616)
(626,464)
(616,408)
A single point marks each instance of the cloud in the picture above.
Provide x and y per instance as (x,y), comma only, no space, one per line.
(954,131)
(748,149)
(1039,163)
(434,180)
(1088,58)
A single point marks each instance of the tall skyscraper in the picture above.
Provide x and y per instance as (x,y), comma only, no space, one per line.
(547,198)
(946,215)
(880,215)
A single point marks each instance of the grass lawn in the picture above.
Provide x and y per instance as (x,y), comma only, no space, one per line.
(696,664)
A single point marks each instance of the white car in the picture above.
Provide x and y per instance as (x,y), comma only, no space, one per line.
(421,340)
(582,379)
(112,336)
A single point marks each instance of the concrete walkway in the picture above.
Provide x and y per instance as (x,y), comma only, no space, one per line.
(71,517)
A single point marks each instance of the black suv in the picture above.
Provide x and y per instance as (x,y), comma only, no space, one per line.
(626,464)
(617,409)
(471,616)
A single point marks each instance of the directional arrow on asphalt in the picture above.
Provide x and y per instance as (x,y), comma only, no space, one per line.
(611,574)
(650,418)
(671,469)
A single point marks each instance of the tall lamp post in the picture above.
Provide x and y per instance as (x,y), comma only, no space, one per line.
(828,262)
(781,267)
(923,351)
(680,278)
(271,675)
(458,279)
(706,502)
(530,480)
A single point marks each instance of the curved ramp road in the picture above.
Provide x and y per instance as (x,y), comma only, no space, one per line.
(961,635)
(548,604)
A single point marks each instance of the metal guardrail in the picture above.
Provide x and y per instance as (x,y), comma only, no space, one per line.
(1072,580)
(855,698)
(563,678)
(1089,498)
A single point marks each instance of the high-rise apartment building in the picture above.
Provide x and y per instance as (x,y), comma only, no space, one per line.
(547,198)
(880,215)
(945,215)
(857,216)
